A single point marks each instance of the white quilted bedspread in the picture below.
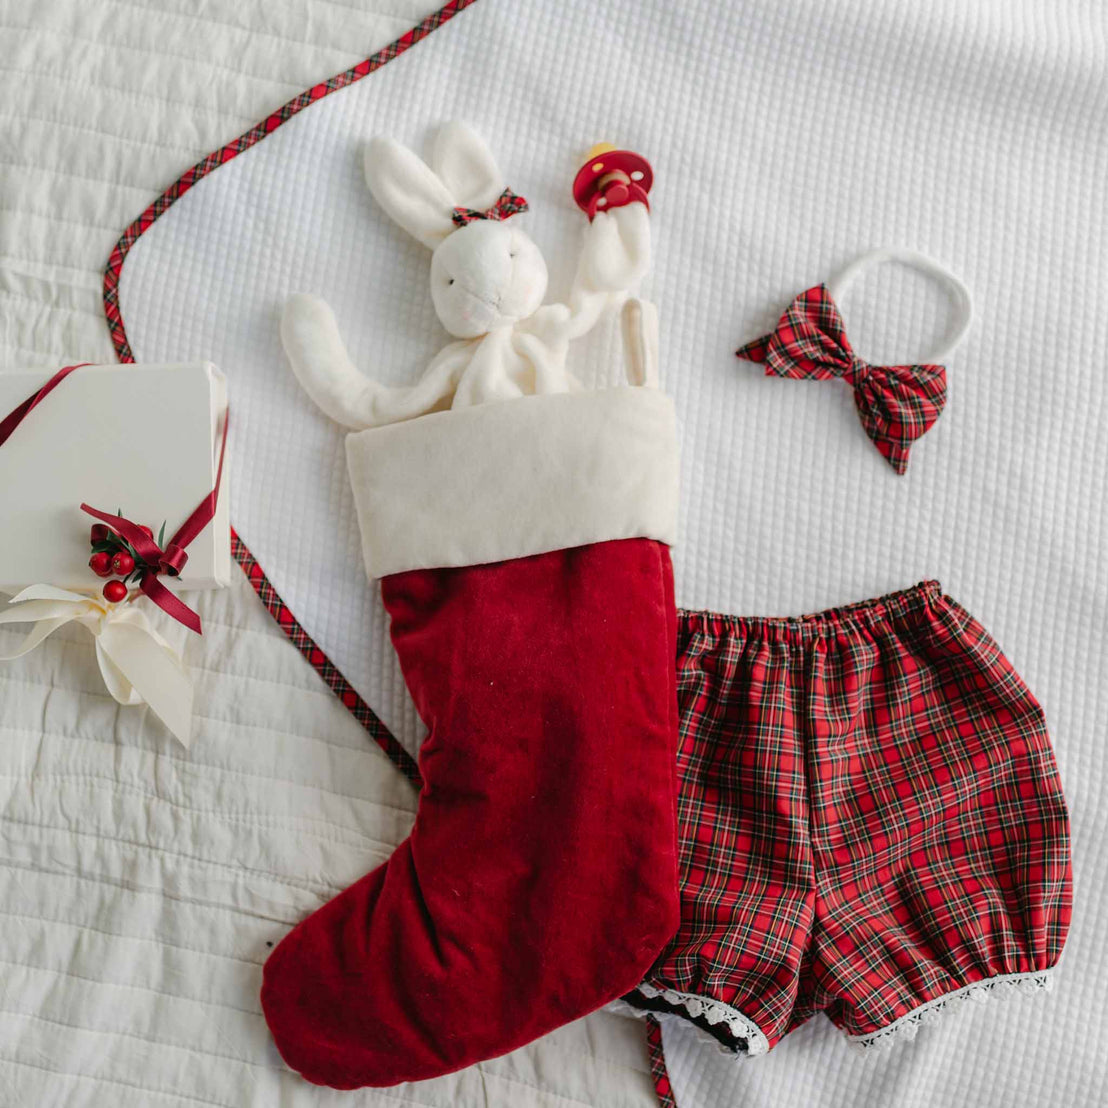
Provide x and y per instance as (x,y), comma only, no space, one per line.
(140,884)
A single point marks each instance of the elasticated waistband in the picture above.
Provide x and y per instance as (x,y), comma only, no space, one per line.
(849,617)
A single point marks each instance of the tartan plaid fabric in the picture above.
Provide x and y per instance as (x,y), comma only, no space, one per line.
(895,403)
(870,817)
(658,1072)
(507,204)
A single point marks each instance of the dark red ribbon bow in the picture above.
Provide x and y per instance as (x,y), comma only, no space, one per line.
(896,403)
(154,559)
(507,204)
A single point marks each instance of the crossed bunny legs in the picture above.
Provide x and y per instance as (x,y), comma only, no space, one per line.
(540,879)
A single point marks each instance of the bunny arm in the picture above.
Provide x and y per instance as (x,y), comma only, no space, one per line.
(615,257)
(310,335)
(543,341)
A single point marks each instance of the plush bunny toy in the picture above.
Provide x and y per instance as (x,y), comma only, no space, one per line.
(488,280)
(519,525)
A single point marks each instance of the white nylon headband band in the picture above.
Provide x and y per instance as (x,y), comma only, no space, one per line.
(962,299)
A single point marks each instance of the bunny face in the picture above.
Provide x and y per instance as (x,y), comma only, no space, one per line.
(485,275)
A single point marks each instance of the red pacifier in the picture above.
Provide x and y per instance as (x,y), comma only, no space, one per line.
(611,178)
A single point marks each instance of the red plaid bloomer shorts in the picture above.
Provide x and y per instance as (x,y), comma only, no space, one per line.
(872,823)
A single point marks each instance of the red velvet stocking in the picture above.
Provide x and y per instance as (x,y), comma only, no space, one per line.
(540,878)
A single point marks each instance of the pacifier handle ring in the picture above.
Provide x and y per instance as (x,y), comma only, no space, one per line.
(963,301)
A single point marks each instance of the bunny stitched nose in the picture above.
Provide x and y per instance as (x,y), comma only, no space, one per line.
(486,275)
(487,284)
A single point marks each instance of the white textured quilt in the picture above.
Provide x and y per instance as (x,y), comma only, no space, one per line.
(786,137)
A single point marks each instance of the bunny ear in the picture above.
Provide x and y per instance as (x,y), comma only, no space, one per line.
(466,166)
(409,191)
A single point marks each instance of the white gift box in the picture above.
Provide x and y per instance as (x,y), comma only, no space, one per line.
(144,440)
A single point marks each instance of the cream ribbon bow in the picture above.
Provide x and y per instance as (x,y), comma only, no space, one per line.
(137,664)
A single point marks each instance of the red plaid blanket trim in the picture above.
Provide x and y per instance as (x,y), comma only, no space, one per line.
(236,146)
(658,1071)
(323,665)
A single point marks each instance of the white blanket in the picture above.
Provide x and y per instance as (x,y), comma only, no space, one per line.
(786,137)
(140,884)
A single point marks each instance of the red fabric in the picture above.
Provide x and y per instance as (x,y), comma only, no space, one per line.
(507,204)
(540,879)
(658,1072)
(870,817)
(896,403)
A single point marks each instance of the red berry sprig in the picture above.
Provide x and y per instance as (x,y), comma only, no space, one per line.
(113,556)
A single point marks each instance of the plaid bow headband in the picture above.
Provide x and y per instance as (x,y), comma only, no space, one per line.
(507,204)
(896,403)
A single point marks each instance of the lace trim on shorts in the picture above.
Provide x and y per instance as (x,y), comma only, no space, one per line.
(751,1041)
(906,1028)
